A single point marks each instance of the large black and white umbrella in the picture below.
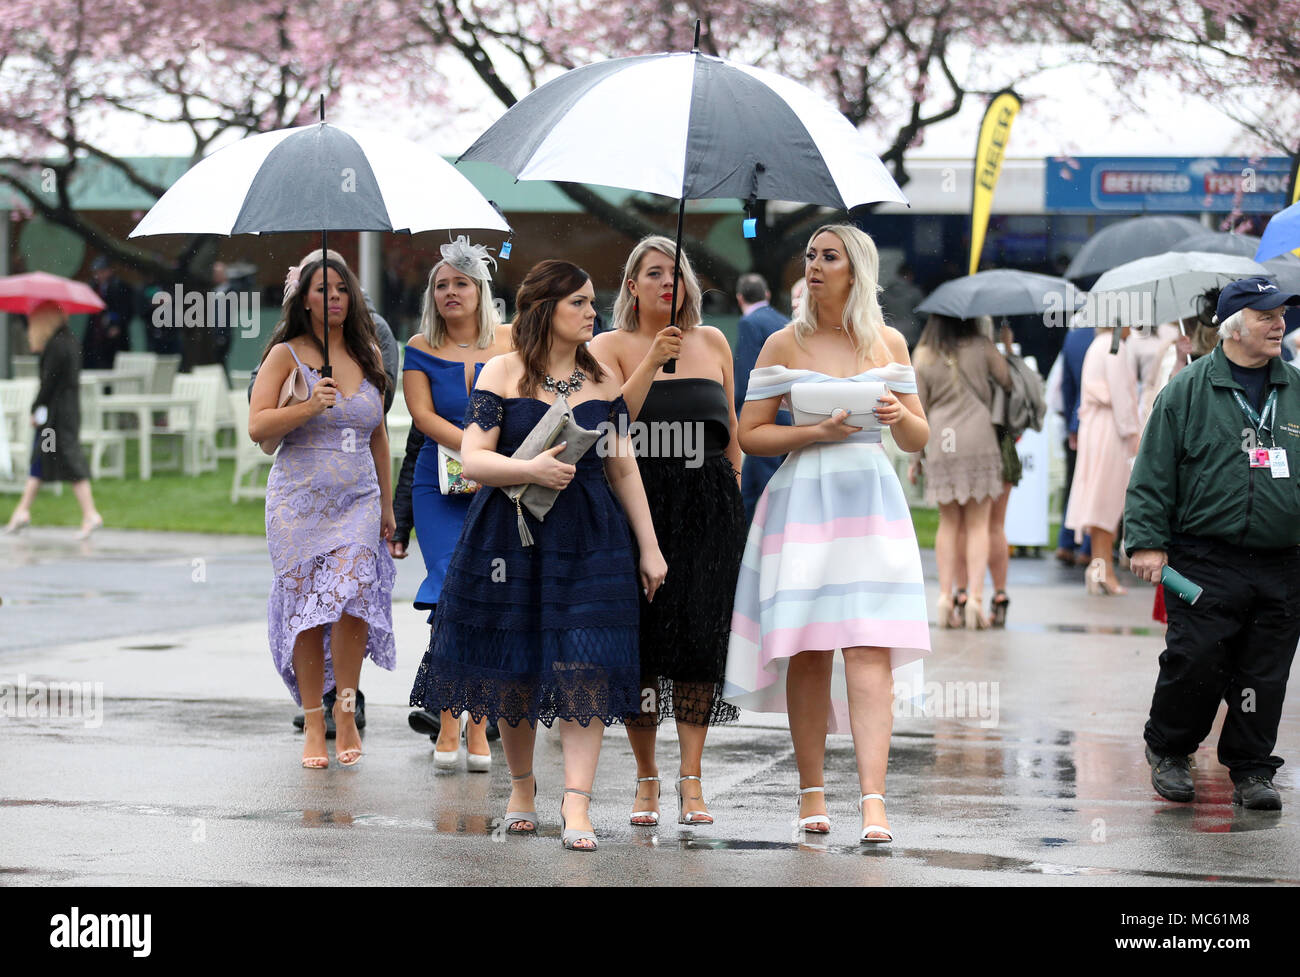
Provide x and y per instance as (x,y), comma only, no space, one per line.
(320,177)
(718,129)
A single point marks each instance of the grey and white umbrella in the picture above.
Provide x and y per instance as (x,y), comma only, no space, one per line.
(1002,292)
(1219,242)
(1162,288)
(1128,240)
(718,129)
(320,177)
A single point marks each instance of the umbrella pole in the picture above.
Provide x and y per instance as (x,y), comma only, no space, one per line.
(326,371)
(671,365)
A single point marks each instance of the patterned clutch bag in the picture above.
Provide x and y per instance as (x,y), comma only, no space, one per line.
(451,474)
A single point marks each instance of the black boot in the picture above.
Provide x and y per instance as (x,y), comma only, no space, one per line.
(1171,776)
(1257,794)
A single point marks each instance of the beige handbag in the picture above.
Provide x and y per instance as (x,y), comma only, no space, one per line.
(556,425)
(294,391)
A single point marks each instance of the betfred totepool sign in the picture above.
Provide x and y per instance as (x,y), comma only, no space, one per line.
(1144,184)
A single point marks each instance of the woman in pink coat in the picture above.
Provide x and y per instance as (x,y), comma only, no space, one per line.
(1108,443)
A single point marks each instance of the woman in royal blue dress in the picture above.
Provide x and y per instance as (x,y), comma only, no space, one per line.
(459,332)
(548,631)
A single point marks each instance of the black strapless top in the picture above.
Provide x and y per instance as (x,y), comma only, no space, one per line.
(693,400)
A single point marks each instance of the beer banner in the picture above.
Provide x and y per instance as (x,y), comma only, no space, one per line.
(990,148)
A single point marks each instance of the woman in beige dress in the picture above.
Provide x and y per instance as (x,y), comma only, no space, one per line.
(1108,443)
(962,461)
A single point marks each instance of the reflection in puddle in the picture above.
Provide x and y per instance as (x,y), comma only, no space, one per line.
(314,819)
(1142,631)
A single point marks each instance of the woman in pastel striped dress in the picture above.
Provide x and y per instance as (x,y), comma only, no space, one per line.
(831,561)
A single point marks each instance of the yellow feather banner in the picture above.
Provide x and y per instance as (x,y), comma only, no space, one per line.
(990,149)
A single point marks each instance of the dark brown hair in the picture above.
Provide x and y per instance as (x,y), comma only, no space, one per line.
(358,328)
(942,333)
(547,283)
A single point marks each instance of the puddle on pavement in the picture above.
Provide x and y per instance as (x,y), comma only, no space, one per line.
(147,647)
(1141,631)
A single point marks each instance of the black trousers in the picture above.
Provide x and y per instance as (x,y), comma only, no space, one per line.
(1235,645)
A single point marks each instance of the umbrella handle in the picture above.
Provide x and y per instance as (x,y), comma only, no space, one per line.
(671,365)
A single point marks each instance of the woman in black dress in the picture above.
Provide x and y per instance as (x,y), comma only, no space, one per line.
(685,439)
(56,417)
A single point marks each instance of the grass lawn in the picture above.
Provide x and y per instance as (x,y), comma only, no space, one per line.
(174,502)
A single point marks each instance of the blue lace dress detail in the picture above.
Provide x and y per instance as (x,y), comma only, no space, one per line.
(546,632)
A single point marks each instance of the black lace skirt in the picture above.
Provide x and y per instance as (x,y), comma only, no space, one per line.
(699,519)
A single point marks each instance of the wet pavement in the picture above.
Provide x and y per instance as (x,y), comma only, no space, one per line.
(1031,774)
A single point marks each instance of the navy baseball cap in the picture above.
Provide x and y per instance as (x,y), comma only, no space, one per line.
(1251,293)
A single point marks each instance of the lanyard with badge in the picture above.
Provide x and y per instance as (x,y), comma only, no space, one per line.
(1273,457)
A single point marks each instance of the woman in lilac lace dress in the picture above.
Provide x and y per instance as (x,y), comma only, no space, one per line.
(328,503)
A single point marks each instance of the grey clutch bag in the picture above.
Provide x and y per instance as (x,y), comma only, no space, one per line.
(556,425)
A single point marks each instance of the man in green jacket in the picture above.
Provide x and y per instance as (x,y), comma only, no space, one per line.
(1213,497)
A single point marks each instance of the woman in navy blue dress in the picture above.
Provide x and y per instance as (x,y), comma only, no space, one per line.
(549,631)
(459,332)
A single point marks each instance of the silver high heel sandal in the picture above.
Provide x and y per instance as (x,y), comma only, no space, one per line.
(867,831)
(448,759)
(522,817)
(569,837)
(314,762)
(476,762)
(691,817)
(818,824)
(652,816)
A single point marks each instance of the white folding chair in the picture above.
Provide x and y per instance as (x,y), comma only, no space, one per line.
(249,483)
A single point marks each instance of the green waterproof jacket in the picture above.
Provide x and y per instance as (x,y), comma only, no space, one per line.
(1193,475)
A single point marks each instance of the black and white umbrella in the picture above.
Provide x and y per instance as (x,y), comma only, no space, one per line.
(720,129)
(1002,292)
(320,177)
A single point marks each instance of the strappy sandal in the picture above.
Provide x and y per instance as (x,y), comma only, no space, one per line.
(998,608)
(870,829)
(651,817)
(569,837)
(691,817)
(314,762)
(818,824)
(522,817)
(347,701)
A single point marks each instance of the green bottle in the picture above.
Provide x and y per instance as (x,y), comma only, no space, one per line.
(1180,585)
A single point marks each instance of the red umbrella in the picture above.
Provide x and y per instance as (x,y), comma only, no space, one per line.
(23,293)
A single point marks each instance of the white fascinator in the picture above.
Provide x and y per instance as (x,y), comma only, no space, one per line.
(471,259)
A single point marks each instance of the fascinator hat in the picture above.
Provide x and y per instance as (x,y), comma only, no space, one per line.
(469,259)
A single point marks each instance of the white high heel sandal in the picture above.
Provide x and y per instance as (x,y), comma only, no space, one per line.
(821,820)
(865,839)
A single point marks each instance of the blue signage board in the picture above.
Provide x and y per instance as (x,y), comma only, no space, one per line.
(1153,184)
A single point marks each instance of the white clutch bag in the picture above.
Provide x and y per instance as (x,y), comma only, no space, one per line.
(812,403)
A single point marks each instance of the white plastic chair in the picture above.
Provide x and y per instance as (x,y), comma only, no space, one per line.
(250,460)
(225,423)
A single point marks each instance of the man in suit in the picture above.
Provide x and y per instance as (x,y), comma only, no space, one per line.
(758,320)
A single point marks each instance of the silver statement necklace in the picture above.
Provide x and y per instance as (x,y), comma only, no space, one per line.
(563,387)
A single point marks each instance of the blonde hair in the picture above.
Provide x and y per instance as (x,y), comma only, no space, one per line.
(863,319)
(625,305)
(434,327)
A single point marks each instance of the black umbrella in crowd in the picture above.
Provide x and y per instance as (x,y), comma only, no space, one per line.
(719,129)
(320,177)
(1003,292)
(1128,240)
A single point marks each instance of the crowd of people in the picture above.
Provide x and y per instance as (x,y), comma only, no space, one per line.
(549,531)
